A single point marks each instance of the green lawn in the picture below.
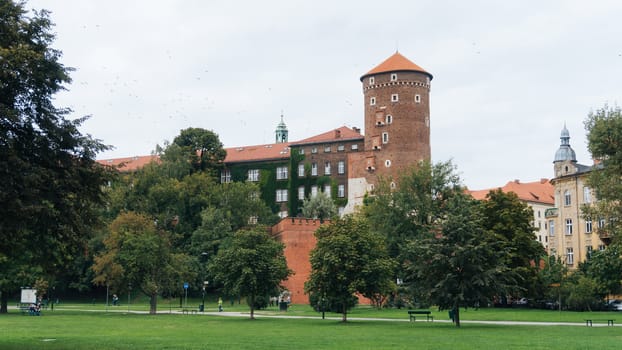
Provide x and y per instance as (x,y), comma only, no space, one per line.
(69,328)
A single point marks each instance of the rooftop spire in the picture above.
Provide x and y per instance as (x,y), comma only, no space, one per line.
(281,131)
(565,152)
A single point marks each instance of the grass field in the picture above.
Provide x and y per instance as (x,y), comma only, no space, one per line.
(69,327)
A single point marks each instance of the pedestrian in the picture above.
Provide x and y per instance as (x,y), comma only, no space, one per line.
(219,304)
(115,300)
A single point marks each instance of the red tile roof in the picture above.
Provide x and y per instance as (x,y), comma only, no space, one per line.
(274,151)
(129,163)
(396,63)
(538,191)
(340,134)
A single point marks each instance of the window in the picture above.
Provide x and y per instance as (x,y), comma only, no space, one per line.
(283,214)
(327,168)
(567,198)
(253,175)
(341,191)
(385,137)
(601,223)
(314,150)
(253,220)
(253,196)
(372,80)
(281,173)
(387,163)
(355,147)
(372,101)
(394,97)
(417,98)
(313,191)
(327,191)
(601,247)
(587,195)
(551,228)
(313,169)
(539,213)
(588,251)
(393,77)
(301,193)
(327,149)
(301,170)
(568,226)
(302,151)
(588,225)
(341,148)
(281,196)
(389,119)
(569,256)
(341,167)
(225,176)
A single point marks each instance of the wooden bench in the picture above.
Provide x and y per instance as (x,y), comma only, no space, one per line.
(189,311)
(589,322)
(412,314)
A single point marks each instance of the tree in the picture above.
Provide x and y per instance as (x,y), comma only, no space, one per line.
(505,215)
(458,263)
(605,267)
(50,184)
(348,259)
(319,207)
(197,148)
(252,266)
(604,135)
(406,212)
(138,254)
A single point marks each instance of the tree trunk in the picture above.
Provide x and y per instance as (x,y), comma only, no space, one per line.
(252,305)
(153,303)
(457,315)
(4,300)
(344,312)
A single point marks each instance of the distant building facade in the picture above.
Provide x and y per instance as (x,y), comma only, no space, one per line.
(572,236)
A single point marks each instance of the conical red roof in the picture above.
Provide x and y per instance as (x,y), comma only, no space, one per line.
(395,63)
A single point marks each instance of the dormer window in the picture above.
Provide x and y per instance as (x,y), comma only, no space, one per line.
(394,77)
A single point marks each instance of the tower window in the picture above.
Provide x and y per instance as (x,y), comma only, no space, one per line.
(394,97)
(372,80)
(387,163)
(372,101)
(389,119)
(393,77)
(385,137)
(417,98)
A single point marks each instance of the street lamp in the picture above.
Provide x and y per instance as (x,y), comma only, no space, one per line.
(205,283)
(129,290)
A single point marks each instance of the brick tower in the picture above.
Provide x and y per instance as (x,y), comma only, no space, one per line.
(397,116)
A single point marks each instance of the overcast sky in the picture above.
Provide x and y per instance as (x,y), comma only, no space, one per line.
(507,74)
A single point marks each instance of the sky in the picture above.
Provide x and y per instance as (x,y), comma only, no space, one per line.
(508,75)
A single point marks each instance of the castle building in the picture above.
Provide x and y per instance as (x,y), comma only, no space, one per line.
(572,236)
(538,195)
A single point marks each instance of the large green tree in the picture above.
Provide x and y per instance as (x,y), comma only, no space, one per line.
(404,212)
(50,184)
(194,149)
(348,259)
(138,254)
(458,263)
(252,266)
(319,206)
(604,135)
(510,219)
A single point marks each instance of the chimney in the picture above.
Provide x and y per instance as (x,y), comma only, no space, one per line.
(337,133)
(544,180)
(357,130)
(517,181)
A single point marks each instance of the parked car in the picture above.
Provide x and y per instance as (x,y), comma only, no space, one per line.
(615,305)
(521,301)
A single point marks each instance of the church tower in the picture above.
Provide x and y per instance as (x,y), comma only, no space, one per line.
(397,115)
(281,132)
(565,158)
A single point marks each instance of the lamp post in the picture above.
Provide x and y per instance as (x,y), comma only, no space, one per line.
(129,290)
(205,283)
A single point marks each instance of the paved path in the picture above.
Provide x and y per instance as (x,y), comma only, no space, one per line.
(338,318)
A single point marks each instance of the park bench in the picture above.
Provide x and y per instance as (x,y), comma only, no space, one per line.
(412,314)
(189,311)
(588,322)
